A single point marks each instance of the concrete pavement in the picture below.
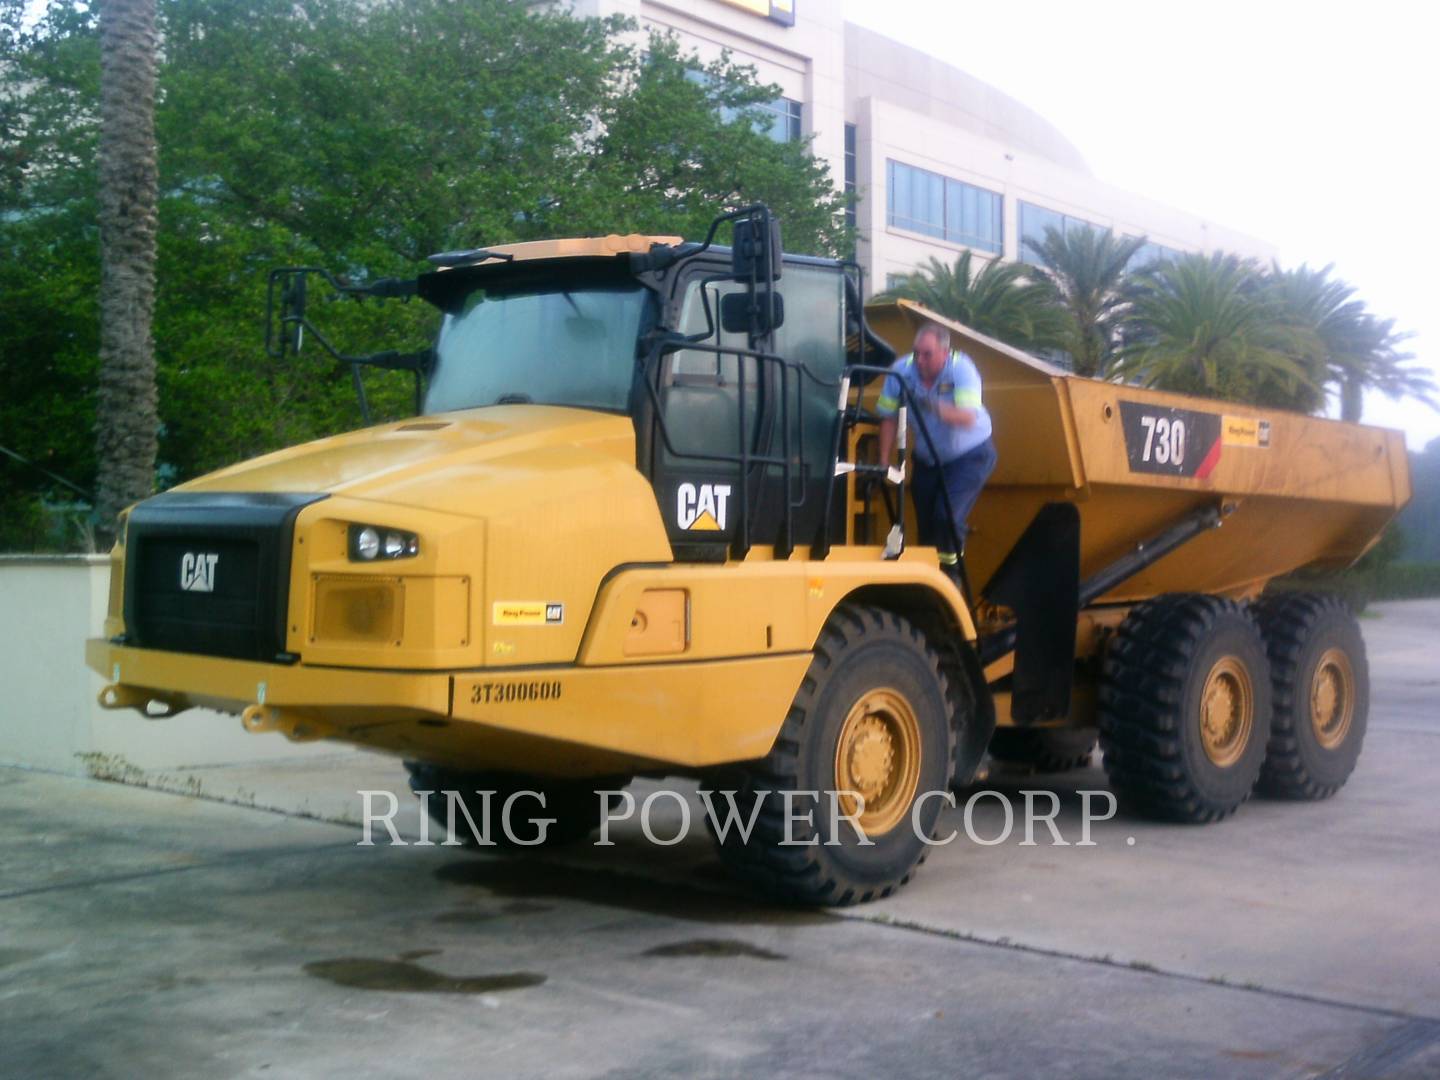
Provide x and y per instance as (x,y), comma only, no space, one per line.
(147,931)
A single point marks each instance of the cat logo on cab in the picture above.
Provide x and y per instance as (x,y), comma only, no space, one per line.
(702,507)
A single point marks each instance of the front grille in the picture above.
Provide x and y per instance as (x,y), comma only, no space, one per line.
(209,573)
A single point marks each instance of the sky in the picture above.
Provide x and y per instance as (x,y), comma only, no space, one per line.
(1310,125)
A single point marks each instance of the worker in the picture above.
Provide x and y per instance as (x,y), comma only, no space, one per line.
(944,389)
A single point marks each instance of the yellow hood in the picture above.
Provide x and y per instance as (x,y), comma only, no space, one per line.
(457,463)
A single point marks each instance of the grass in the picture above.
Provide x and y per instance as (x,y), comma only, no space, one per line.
(1363,584)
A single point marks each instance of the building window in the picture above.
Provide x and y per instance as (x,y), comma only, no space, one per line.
(946,209)
(1035,221)
(1149,254)
(783,122)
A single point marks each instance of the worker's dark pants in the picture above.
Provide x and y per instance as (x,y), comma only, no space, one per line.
(962,479)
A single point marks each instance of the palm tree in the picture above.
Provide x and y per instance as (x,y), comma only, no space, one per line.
(125,408)
(1376,363)
(1002,300)
(1361,351)
(1086,267)
(1207,324)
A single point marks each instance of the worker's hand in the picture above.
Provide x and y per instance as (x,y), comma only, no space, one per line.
(954,415)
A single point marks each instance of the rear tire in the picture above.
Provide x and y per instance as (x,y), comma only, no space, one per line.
(1185,705)
(573,804)
(1321,681)
(1046,750)
(874,715)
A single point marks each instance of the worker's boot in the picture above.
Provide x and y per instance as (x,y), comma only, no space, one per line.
(950,564)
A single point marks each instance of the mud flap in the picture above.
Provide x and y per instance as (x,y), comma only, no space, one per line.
(974,735)
(1040,581)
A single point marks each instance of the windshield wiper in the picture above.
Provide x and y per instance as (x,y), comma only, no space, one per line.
(514,399)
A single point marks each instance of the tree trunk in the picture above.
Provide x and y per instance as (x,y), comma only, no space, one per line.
(125,409)
(1352,399)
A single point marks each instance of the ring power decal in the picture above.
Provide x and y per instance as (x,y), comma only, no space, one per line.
(1246,431)
(702,507)
(527,613)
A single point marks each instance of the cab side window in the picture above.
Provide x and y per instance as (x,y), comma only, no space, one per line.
(702,387)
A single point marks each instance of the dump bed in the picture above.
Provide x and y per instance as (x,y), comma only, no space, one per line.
(1304,490)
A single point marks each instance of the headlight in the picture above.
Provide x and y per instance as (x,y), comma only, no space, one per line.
(371,542)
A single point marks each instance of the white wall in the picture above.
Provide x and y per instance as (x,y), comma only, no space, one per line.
(49,718)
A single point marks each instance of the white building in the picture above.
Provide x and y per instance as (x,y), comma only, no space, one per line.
(941,162)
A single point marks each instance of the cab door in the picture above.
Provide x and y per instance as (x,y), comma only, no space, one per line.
(698,439)
(703,393)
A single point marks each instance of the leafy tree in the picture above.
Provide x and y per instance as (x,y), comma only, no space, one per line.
(126,415)
(357,136)
(49,260)
(1087,269)
(1205,324)
(1002,300)
(676,141)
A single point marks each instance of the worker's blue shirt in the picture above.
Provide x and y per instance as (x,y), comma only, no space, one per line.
(957,384)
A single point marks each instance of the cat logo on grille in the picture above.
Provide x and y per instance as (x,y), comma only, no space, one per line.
(197,571)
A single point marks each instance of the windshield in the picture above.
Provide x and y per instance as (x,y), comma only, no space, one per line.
(554,344)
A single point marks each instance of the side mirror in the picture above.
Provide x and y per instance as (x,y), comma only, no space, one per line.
(292,314)
(749,313)
(756,252)
(285,312)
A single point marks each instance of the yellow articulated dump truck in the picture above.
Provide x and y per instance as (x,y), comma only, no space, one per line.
(638,528)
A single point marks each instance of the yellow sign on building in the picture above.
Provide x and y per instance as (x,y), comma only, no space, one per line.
(781,11)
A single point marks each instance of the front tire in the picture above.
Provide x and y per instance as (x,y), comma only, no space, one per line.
(1321,681)
(873,715)
(1185,707)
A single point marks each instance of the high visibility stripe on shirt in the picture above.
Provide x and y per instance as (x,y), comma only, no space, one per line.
(888,404)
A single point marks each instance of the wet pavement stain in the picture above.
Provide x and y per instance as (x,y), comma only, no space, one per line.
(170,982)
(466,917)
(480,915)
(714,947)
(17,956)
(363,973)
(522,881)
(525,907)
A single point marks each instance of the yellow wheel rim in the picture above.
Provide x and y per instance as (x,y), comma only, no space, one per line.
(878,758)
(1227,711)
(1332,698)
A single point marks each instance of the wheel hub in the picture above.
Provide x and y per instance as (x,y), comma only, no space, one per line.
(872,756)
(1332,698)
(1227,711)
(878,758)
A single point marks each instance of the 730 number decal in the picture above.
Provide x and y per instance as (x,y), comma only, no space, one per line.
(1171,442)
(1164,440)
